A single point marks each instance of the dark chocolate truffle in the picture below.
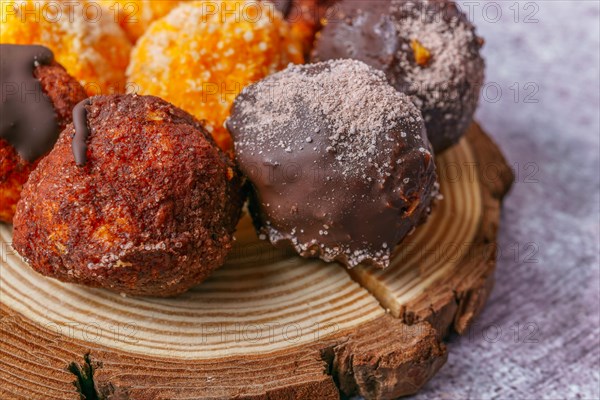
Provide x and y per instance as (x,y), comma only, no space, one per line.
(339,162)
(150,210)
(427,48)
(37,98)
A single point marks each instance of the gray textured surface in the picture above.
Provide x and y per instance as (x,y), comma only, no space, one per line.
(551,284)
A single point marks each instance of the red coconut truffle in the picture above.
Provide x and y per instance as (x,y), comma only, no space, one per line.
(135,197)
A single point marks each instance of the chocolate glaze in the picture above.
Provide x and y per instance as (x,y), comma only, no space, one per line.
(380,33)
(339,161)
(28,121)
(82,132)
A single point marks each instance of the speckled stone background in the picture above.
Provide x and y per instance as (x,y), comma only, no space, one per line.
(539,336)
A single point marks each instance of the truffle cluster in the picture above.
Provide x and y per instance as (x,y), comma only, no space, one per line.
(131,193)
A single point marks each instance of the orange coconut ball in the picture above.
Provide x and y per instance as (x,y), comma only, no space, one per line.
(84,39)
(201,55)
(135,16)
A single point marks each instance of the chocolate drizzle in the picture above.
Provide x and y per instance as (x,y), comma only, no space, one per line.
(28,121)
(82,132)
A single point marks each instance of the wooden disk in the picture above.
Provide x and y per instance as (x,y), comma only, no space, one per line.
(267,325)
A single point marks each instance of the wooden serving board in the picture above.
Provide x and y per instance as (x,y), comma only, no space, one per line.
(268,325)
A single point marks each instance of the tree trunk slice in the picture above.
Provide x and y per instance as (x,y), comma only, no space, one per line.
(268,325)
(444,272)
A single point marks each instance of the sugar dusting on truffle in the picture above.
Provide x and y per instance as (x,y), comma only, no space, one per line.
(454,58)
(337,94)
(328,148)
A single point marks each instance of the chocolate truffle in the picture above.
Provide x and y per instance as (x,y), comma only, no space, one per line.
(37,99)
(339,162)
(135,197)
(427,49)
